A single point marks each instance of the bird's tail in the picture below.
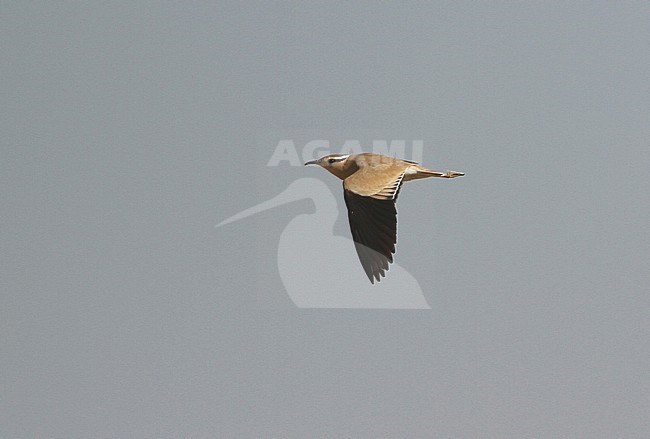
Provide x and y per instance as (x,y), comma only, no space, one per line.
(422,172)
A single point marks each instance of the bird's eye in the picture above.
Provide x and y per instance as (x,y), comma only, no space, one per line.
(331,161)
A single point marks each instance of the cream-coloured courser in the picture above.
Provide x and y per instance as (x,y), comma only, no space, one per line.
(371,183)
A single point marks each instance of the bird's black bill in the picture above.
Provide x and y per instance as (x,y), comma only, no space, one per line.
(313,162)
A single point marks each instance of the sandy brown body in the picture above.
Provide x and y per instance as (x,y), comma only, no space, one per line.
(371,184)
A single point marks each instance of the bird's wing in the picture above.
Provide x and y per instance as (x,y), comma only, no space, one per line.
(380,181)
(373,218)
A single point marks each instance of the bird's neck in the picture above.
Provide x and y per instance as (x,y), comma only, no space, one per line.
(346,169)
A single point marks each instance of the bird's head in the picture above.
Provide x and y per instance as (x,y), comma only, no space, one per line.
(337,164)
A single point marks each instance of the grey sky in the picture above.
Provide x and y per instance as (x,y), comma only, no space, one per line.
(130,129)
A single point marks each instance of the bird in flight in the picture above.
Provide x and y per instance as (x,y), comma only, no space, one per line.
(371,184)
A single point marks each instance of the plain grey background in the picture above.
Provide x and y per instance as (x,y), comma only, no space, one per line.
(130,129)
